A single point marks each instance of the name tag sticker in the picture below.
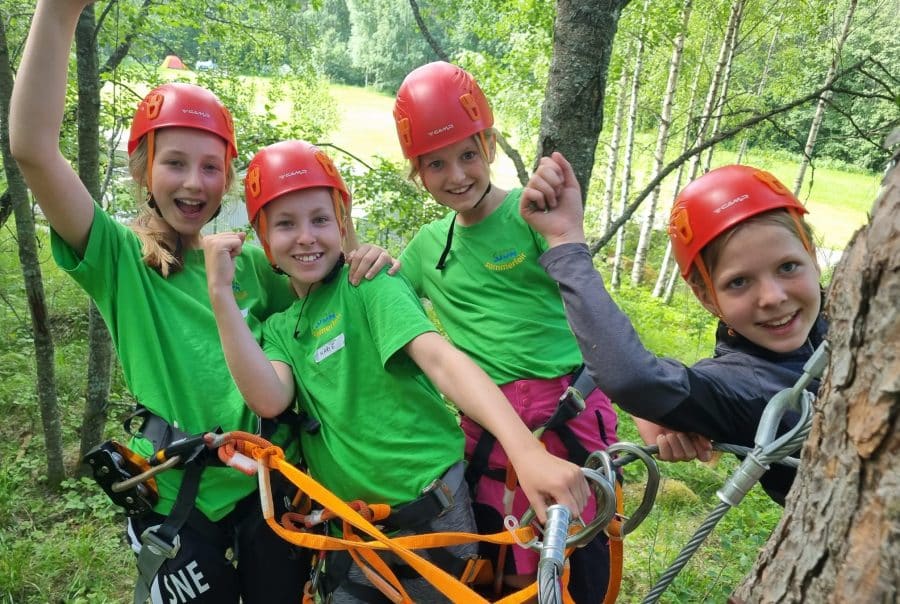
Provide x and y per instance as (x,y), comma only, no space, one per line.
(245,312)
(330,348)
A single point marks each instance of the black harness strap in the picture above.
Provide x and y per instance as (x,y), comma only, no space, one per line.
(161,542)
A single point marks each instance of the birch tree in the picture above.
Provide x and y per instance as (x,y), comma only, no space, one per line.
(819,114)
(662,140)
(625,187)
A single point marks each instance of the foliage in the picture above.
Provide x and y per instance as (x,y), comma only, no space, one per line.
(390,208)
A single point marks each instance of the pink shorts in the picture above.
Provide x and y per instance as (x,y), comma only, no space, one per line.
(535,400)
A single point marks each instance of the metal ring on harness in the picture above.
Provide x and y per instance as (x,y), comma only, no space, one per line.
(605,497)
(650,490)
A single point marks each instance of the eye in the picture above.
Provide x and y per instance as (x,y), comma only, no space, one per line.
(321,220)
(736,283)
(789,267)
(469,155)
(435,164)
(283,223)
(212,168)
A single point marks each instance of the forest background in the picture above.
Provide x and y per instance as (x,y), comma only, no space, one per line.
(681,74)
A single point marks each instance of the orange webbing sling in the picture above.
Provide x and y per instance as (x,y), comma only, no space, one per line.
(235,445)
(270,457)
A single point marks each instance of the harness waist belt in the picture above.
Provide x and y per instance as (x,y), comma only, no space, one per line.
(436,499)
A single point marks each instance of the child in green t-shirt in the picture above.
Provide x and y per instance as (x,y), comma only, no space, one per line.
(479,268)
(365,364)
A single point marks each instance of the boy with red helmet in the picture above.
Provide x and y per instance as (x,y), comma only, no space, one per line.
(365,364)
(741,243)
(148,282)
(478,267)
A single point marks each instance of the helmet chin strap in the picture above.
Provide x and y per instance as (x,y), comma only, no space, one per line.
(442,262)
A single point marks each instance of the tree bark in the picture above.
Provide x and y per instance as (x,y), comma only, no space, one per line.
(839,537)
(99,343)
(34,285)
(572,113)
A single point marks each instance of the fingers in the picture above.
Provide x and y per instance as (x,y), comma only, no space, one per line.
(368,260)
(566,171)
(680,446)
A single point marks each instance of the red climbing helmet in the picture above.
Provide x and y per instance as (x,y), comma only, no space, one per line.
(184,105)
(720,199)
(439,104)
(289,166)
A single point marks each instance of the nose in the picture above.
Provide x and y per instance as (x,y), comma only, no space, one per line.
(306,234)
(193,179)
(455,172)
(771,292)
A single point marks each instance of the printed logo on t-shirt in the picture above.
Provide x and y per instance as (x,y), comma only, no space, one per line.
(505,260)
(326,324)
(325,351)
(239,293)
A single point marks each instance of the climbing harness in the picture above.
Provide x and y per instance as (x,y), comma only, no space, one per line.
(364,525)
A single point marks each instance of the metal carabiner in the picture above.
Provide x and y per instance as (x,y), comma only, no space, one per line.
(605,498)
(650,490)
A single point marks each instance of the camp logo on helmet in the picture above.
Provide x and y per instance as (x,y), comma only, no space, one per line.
(198,112)
(294,173)
(728,204)
(440,130)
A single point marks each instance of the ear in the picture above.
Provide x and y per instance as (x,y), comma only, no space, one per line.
(492,147)
(705,299)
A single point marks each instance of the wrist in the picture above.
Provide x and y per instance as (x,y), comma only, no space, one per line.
(563,238)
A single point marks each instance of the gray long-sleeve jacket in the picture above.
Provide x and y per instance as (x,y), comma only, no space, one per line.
(721,397)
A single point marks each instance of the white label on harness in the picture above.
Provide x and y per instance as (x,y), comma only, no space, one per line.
(330,348)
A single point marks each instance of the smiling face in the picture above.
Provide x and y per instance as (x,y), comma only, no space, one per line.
(766,285)
(457,176)
(304,236)
(189,178)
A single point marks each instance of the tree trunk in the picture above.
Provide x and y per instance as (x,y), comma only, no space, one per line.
(711,94)
(615,278)
(662,141)
(839,538)
(660,285)
(34,285)
(760,88)
(612,157)
(819,115)
(572,113)
(99,344)
(726,81)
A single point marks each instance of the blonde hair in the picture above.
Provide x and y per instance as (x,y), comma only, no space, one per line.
(780,217)
(484,140)
(151,229)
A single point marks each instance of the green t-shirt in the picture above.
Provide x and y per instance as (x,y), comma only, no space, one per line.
(168,345)
(493,297)
(385,432)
